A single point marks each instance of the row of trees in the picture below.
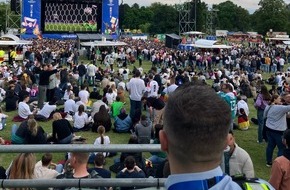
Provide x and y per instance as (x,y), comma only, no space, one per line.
(163,18)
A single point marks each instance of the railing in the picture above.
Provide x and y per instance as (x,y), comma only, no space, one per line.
(79,183)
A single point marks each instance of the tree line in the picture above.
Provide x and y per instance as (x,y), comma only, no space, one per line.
(162,18)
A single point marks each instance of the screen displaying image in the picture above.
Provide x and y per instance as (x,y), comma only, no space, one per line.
(71,17)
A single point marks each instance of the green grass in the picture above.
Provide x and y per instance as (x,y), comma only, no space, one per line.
(65,27)
(245,139)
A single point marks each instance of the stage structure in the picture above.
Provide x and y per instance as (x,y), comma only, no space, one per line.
(187,21)
(13,14)
(69,16)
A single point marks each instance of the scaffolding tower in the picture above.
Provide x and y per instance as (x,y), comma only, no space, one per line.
(211,21)
(13,18)
(187,21)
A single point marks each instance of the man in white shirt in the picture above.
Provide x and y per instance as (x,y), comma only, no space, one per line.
(24,109)
(96,105)
(46,110)
(152,87)
(41,170)
(136,88)
(240,163)
(282,63)
(84,94)
(91,70)
(69,105)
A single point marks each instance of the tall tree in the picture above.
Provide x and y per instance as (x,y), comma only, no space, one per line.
(271,15)
(232,17)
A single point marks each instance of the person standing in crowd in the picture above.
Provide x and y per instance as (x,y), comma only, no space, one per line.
(82,70)
(195,165)
(275,125)
(261,102)
(92,69)
(136,88)
(240,162)
(229,97)
(280,176)
(52,85)
(44,75)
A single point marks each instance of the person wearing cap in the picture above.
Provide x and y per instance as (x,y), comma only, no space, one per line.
(280,175)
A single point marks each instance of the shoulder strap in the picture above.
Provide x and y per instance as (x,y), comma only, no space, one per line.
(268,111)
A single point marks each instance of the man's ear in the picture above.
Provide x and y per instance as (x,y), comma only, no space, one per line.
(163,140)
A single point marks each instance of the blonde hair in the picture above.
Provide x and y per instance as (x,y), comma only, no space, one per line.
(23,166)
(32,126)
(57,116)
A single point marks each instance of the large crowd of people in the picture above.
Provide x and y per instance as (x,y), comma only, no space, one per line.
(173,96)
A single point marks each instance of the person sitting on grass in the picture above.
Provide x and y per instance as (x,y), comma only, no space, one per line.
(116,107)
(24,109)
(42,170)
(45,112)
(123,122)
(81,120)
(99,162)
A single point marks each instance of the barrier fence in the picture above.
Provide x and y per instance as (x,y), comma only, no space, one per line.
(79,183)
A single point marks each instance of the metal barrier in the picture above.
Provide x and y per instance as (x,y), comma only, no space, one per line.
(96,182)
(80,148)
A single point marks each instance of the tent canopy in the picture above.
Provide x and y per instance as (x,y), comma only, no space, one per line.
(90,37)
(193,33)
(174,36)
(210,44)
(12,40)
(102,43)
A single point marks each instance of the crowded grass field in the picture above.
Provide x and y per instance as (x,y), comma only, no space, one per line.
(245,139)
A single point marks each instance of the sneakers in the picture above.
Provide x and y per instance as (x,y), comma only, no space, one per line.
(269,164)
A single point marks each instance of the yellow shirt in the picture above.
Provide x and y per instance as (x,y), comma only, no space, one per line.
(2,53)
(267,60)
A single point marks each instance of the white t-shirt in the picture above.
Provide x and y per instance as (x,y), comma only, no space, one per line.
(96,107)
(84,96)
(136,87)
(77,104)
(67,94)
(106,142)
(24,110)
(92,69)
(152,88)
(111,97)
(80,120)
(47,110)
(69,106)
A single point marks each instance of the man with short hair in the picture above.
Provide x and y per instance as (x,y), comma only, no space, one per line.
(24,109)
(99,166)
(131,170)
(240,162)
(82,70)
(42,170)
(196,164)
(136,88)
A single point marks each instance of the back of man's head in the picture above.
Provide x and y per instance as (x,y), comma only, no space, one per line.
(130,162)
(99,159)
(196,123)
(81,157)
(46,159)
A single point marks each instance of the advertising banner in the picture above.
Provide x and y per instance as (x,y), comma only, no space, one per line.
(110,22)
(31,17)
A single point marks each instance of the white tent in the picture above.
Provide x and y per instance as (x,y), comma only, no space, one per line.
(103,43)
(286,42)
(12,40)
(210,44)
(193,33)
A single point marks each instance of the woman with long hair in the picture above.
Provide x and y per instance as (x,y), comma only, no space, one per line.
(102,118)
(275,125)
(35,134)
(101,140)
(68,92)
(81,120)
(22,168)
(261,102)
(62,131)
